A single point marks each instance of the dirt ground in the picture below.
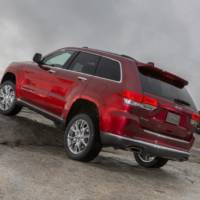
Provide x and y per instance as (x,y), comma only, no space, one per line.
(34,166)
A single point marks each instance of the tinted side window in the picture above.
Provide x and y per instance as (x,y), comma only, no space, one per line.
(85,63)
(109,69)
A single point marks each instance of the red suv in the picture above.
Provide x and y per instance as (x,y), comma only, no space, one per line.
(103,99)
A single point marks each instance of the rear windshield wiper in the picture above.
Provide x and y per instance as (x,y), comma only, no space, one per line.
(179,101)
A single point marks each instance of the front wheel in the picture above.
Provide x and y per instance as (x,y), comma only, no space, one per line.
(8,103)
(146,160)
(82,138)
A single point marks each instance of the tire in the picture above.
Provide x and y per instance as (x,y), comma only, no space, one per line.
(152,162)
(8,102)
(82,145)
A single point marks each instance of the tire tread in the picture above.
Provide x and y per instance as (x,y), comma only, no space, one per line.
(95,146)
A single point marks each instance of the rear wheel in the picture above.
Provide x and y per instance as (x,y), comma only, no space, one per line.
(8,103)
(146,160)
(82,138)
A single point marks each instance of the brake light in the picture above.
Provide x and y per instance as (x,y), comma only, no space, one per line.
(133,96)
(150,101)
(139,100)
(195,119)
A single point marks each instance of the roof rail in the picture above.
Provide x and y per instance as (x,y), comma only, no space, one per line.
(125,56)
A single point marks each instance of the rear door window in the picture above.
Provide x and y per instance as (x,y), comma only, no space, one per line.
(109,69)
(85,63)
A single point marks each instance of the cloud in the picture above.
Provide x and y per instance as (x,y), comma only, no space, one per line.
(165,32)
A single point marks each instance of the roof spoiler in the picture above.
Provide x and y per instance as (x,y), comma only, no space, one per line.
(150,70)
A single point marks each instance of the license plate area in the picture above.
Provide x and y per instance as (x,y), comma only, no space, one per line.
(173,118)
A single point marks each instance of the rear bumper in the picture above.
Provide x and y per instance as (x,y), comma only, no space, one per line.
(109,139)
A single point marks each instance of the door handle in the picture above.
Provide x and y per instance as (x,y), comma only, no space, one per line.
(51,71)
(82,78)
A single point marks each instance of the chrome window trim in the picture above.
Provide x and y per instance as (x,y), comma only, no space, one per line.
(120,66)
(90,75)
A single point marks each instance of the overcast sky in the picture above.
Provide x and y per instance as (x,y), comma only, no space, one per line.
(166,32)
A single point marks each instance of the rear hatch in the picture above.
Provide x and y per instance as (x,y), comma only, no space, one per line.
(175,107)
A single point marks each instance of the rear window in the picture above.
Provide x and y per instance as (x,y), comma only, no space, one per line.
(166,90)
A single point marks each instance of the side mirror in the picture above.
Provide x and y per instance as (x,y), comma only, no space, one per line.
(37,58)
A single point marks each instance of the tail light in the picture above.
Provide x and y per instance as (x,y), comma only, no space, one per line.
(140,100)
(195,119)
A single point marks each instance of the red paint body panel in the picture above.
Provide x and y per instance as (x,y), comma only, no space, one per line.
(57,92)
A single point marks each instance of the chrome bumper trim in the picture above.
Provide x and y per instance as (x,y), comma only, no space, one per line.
(165,137)
(110,139)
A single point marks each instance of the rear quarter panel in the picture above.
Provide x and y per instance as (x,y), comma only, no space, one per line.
(107,95)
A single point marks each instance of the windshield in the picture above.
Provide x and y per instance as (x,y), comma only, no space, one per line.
(166,90)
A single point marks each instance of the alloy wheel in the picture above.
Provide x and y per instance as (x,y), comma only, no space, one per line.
(78,136)
(7,97)
(145,157)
